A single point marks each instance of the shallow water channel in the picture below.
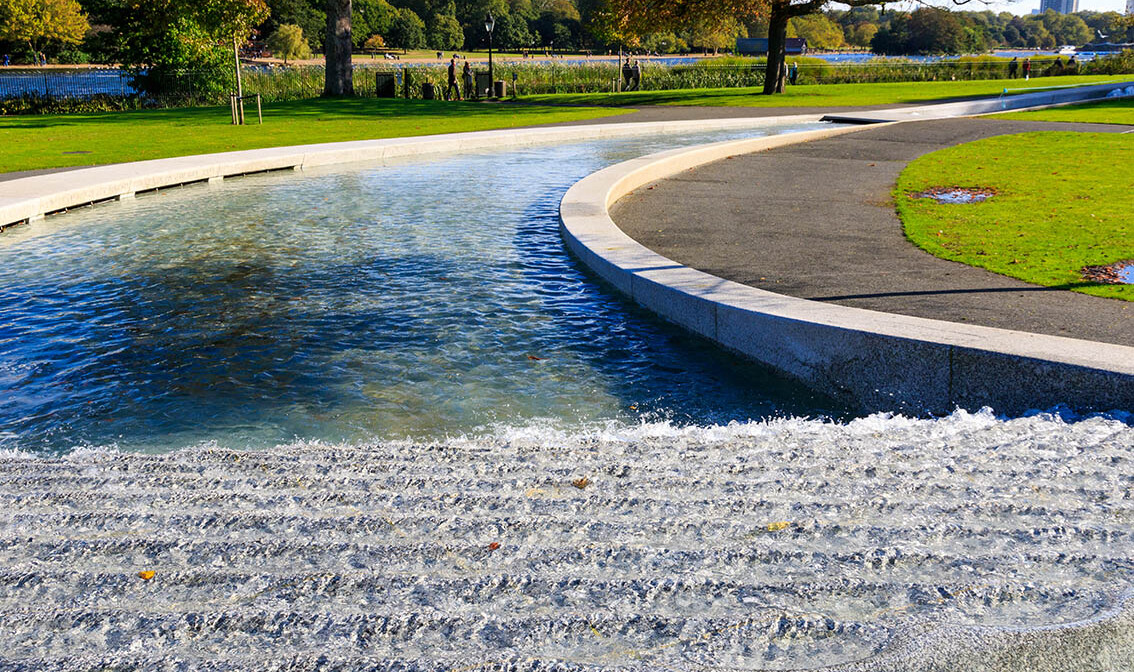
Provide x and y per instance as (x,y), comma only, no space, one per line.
(422,299)
(468,454)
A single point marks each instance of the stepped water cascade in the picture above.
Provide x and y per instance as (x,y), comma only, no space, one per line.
(375,417)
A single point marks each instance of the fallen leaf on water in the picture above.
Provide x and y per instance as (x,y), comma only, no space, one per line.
(146,575)
(777,526)
(535,359)
(581,483)
(494,545)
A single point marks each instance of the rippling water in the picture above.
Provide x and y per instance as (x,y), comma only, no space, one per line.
(472,456)
(423,299)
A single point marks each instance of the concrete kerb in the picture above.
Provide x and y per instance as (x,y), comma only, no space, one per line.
(877,361)
(31,198)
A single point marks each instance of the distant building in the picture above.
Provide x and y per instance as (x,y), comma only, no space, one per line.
(759,45)
(1061,6)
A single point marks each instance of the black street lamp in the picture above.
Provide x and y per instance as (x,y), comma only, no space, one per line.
(489,24)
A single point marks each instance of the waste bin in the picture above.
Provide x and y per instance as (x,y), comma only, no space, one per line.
(499,88)
(385,85)
(482,84)
(427,92)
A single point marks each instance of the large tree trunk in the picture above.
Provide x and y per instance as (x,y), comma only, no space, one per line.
(339,79)
(777,41)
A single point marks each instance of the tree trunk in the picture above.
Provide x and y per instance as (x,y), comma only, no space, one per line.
(777,41)
(339,78)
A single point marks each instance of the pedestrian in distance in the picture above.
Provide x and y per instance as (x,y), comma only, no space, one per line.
(1013,67)
(793,73)
(1027,69)
(636,76)
(7,60)
(453,88)
(467,80)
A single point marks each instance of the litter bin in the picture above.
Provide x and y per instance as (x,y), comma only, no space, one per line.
(482,84)
(499,88)
(427,92)
(385,85)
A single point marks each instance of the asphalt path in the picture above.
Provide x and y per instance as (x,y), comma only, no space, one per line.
(817,221)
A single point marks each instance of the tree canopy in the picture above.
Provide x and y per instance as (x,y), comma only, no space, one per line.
(35,21)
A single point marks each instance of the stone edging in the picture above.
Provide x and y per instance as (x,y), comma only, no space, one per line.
(31,198)
(873,360)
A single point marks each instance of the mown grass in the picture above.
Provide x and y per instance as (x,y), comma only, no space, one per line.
(825,95)
(1119,111)
(35,142)
(1062,202)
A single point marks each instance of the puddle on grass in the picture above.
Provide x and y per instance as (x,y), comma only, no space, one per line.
(957,194)
(1118,273)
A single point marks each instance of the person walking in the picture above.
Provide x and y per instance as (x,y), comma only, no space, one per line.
(1027,69)
(452,80)
(1013,66)
(7,60)
(467,80)
(793,72)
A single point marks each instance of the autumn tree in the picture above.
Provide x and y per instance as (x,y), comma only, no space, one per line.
(35,22)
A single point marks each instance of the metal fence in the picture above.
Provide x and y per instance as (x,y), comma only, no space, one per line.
(65,83)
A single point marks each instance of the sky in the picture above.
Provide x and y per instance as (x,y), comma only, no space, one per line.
(1023,7)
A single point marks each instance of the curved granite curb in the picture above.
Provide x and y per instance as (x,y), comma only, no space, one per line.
(31,198)
(873,360)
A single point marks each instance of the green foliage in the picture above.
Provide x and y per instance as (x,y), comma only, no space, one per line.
(178,46)
(33,104)
(407,31)
(288,43)
(819,31)
(35,22)
(1047,220)
(445,33)
(371,17)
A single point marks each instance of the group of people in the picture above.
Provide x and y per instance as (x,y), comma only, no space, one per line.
(631,75)
(466,79)
(1058,67)
(40,59)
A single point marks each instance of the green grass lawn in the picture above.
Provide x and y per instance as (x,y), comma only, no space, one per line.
(31,142)
(1103,112)
(1063,201)
(822,95)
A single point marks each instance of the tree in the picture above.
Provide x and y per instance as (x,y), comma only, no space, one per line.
(819,31)
(339,77)
(445,34)
(370,17)
(624,18)
(407,31)
(37,21)
(288,43)
(174,46)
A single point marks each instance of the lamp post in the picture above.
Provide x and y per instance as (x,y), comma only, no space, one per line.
(489,24)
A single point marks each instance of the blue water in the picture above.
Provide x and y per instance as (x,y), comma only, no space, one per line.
(421,300)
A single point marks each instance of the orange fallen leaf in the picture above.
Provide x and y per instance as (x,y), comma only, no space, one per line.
(494,545)
(535,359)
(581,483)
(146,575)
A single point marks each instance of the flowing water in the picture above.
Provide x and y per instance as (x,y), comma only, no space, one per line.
(374,417)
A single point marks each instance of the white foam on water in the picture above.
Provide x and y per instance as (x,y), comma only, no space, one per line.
(776,544)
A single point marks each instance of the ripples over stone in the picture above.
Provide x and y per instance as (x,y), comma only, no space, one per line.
(782,544)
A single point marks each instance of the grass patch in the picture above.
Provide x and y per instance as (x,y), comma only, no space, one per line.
(1061,203)
(34,142)
(1119,111)
(822,95)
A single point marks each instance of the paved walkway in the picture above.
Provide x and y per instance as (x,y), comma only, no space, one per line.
(816,221)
